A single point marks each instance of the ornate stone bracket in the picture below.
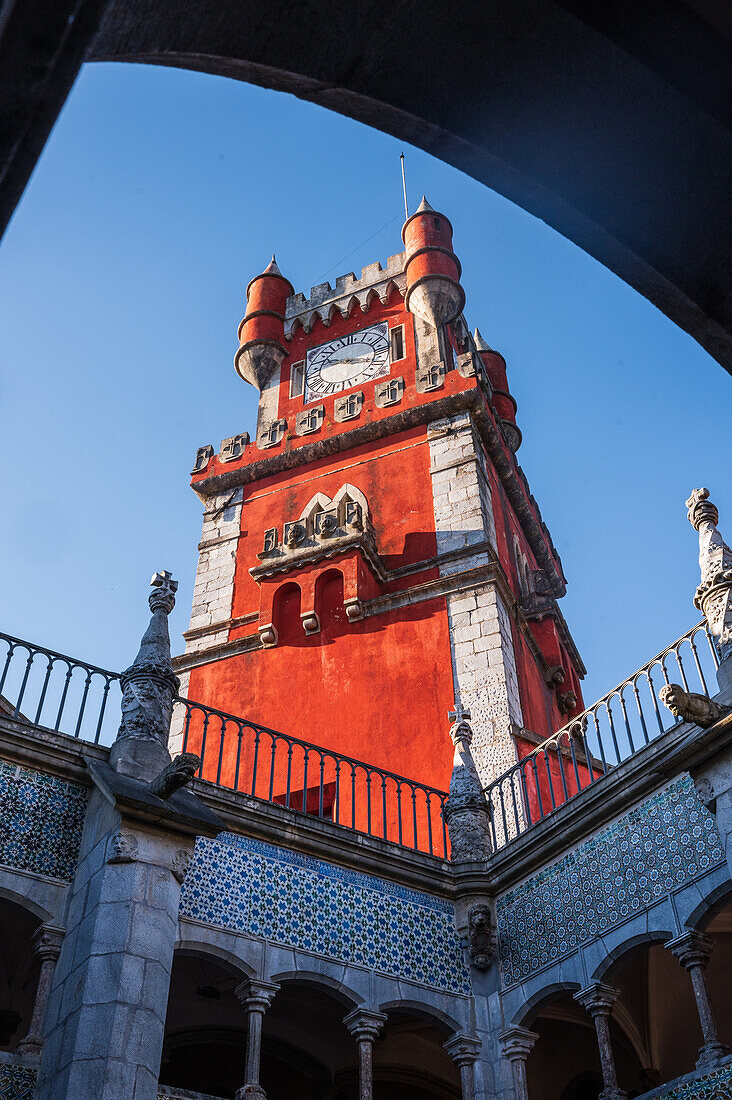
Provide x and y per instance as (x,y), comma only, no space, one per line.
(481,936)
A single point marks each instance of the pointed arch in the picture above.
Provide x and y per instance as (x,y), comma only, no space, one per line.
(349,492)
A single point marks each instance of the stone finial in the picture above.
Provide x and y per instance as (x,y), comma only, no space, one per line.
(714,595)
(467,814)
(272,268)
(701,510)
(148,689)
(480,343)
(424,207)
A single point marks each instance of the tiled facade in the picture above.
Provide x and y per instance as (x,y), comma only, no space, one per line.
(42,818)
(651,852)
(280,896)
(712,1086)
(16,1082)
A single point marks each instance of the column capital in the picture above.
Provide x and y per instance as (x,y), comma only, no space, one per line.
(691,949)
(256,995)
(47,941)
(517,1043)
(597,999)
(364,1023)
(463,1048)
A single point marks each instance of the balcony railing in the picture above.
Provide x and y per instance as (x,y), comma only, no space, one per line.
(54,691)
(596,741)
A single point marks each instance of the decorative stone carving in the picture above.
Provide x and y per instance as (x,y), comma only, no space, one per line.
(430,378)
(309,420)
(180,864)
(122,847)
(714,595)
(203,457)
(705,791)
(389,392)
(566,701)
(467,814)
(148,689)
(348,407)
(233,447)
(465,365)
(354,610)
(464,1050)
(271,542)
(554,675)
(273,434)
(598,1000)
(691,707)
(326,524)
(295,533)
(693,950)
(178,773)
(481,936)
(310,622)
(268,635)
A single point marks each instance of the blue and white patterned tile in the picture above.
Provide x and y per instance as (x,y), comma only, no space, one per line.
(41,820)
(657,848)
(303,902)
(16,1082)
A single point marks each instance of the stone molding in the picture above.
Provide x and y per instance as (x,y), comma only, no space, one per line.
(597,998)
(255,994)
(517,1043)
(364,1023)
(691,949)
(504,461)
(463,1048)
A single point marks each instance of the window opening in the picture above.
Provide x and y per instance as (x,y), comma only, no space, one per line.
(396,336)
(297,379)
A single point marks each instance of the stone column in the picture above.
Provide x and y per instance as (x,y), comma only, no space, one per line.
(463,1049)
(693,949)
(364,1025)
(256,997)
(598,1000)
(47,944)
(516,1045)
(105,1021)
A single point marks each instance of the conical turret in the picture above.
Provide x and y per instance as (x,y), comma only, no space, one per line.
(502,400)
(432,268)
(262,332)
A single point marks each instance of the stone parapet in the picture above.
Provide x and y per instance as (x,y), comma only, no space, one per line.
(347,293)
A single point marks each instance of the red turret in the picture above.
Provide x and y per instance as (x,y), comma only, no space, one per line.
(262,332)
(432,268)
(501,400)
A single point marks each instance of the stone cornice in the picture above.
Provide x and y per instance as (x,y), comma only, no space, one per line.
(511,475)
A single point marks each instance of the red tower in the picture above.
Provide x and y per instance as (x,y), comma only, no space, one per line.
(375,553)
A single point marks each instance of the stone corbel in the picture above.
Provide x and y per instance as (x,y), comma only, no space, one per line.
(268,635)
(310,622)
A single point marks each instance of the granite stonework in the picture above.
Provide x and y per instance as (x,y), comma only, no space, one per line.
(307,903)
(42,820)
(655,850)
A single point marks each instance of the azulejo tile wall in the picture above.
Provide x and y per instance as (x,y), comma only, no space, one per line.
(299,901)
(714,1086)
(41,818)
(653,851)
(16,1082)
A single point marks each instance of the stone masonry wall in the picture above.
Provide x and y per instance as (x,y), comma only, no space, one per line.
(214,587)
(484,665)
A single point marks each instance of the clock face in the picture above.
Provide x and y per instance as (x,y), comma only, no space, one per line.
(347,361)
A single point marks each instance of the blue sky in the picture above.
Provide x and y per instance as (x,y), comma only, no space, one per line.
(122,280)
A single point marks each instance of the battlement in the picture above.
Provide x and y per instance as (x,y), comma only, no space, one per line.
(349,292)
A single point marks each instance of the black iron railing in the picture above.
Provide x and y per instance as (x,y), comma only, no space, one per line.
(58,692)
(54,691)
(308,778)
(592,743)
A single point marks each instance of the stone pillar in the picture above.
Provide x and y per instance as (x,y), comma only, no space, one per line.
(598,999)
(467,814)
(693,949)
(516,1045)
(364,1025)
(714,594)
(463,1049)
(105,1020)
(47,944)
(256,997)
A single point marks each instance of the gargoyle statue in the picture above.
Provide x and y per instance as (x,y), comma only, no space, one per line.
(178,773)
(691,707)
(481,940)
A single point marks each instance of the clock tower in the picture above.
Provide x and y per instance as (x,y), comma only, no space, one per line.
(372,554)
